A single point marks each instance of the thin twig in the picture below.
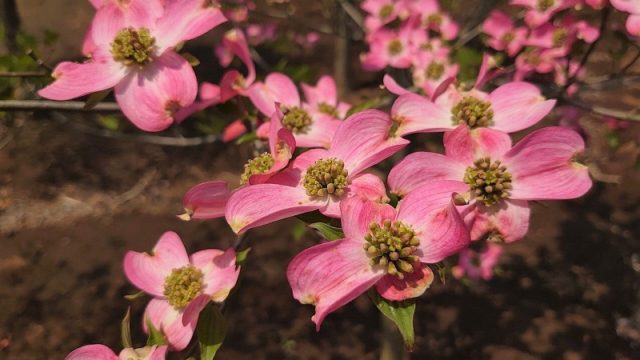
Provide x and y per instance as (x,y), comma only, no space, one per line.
(353,13)
(34,105)
(11,74)
(630,64)
(604,111)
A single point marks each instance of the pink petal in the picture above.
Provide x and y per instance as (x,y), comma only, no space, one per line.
(207,200)
(92,352)
(185,20)
(444,86)
(236,41)
(277,88)
(151,97)
(320,133)
(368,186)
(412,286)
(430,211)
(508,102)
(325,91)
(393,87)
(543,166)
(485,66)
(633,24)
(422,168)
(359,213)
(220,271)
(234,131)
(331,275)
(169,321)
(73,80)
(510,219)
(261,204)
(282,144)
(97,3)
(466,145)
(629,6)
(416,113)
(362,140)
(148,271)
(159,353)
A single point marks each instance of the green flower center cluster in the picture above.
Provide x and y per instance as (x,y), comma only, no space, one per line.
(544,5)
(508,37)
(258,165)
(328,109)
(434,20)
(183,285)
(297,120)
(395,47)
(385,11)
(489,181)
(559,37)
(434,71)
(133,47)
(392,246)
(326,177)
(473,112)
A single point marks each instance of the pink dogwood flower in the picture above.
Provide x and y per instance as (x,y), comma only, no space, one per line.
(389,48)
(430,71)
(135,55)
(478,264)
(208,200)
(536,60)
(633,8)
(181,285)
(434,19)
(383,247)
(563,34)
(323,98)
(540,11)
(101,352)
(501,179)
(312,124)
(501,109)
(381,12)
(504,35)
(320,179)
(233,82)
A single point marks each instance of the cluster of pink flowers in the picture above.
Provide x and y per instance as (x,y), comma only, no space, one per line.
(542,44)
(410,34)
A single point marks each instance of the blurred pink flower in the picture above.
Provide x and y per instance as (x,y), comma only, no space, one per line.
(633,8)
(181,286)
(504,36)
(383,247)
(478,265)
(563,34)
(541,11)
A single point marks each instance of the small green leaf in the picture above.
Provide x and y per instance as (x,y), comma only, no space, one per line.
(155,336)
(441,268)
(317,216)
(109,122)
(246,138)
(95,98)
(194,61)
(371,103)
(298,230)
(125,330)
(241,256)
(327,231)
(400,312)
(132,297)
(211,329)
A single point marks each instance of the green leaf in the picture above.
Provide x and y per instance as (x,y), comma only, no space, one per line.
(155,336)
(317,216)
(241,256)
(369,104)
(327,231)
(109,122)
(125,330)
(95,98)
(246,138)
(135,296)
(211,330)
(400,312)
(298,230)
(469,61)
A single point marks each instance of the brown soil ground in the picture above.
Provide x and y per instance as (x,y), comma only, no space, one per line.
(71,205)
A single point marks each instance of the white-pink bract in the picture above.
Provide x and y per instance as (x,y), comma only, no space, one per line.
(101,352)
(542,166)
(167,272)
(334,273)
(131,49)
